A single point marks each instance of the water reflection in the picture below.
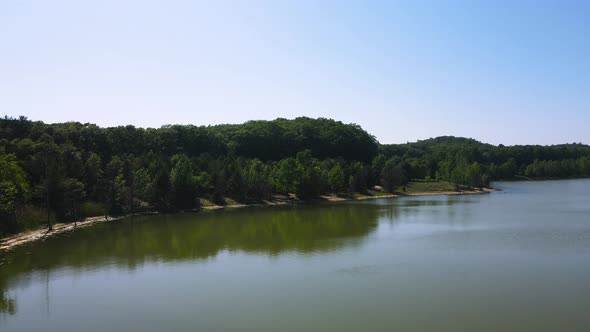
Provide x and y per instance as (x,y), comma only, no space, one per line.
(131,243)
(7,304)
(448,210)
(414,264)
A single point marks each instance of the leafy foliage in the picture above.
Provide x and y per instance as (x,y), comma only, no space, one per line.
(71,170)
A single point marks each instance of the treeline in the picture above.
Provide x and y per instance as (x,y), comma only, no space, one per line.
(67,171)
(469,162)
(71,170)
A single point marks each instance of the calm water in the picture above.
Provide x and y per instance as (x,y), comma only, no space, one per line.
(517,260)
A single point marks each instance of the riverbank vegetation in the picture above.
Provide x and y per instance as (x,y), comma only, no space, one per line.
(68,171)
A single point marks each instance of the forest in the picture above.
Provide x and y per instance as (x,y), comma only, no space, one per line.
(68,171)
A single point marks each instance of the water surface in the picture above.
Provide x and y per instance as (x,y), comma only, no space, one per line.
(516,260)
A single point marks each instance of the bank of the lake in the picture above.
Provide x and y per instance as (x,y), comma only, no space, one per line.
(10,242)
(514,260)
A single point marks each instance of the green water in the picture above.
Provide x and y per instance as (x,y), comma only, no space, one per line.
(516,260)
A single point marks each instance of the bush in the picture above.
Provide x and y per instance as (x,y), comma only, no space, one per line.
(91,209)
(32,217)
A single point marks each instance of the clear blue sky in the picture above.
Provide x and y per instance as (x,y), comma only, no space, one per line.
(511,72)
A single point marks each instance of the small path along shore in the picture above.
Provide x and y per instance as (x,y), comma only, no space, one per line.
(12,241)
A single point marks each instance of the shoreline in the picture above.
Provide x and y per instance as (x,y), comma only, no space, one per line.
(12,241)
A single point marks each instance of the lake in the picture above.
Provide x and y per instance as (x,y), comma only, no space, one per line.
(514,260)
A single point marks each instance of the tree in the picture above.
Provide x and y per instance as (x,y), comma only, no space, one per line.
(235,179)
(377,166)
(143,185)
(170,167)
(336,178)
(473,177)
(107,191)
(310,183)
(508,169)
(161,187)
(73,191)
(459,175)
(92,174)
(53,179)
(14,190)
(287,175)
(392,176)
(256,180)
(357,181)
(121,193)
(583,164)
(182,184)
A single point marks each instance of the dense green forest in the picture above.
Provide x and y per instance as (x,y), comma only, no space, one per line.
(67,171)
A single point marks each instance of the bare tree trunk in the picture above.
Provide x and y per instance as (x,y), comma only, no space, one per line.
(75,213)
(132,189)
(49,225)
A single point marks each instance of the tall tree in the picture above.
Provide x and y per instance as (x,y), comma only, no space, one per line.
(336,178)
(74,193)
(182,184)
(14,189)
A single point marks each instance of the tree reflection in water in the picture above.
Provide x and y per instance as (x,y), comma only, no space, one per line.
(7,304)
(130,243)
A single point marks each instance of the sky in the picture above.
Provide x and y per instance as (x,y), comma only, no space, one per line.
(510,72)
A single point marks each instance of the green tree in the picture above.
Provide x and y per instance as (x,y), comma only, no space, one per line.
(143,185)
(74,194)
(473,176)
(92,174)
(310,183)
(182,184)
(14,189)
(336,178)
(121,193)
(357,180)
(256,180)
(161,187)
(287,175)
(392,176)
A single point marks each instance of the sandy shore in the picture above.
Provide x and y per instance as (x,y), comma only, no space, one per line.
(11,242)
(334,198)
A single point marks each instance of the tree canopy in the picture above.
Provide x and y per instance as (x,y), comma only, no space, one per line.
(67,171)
